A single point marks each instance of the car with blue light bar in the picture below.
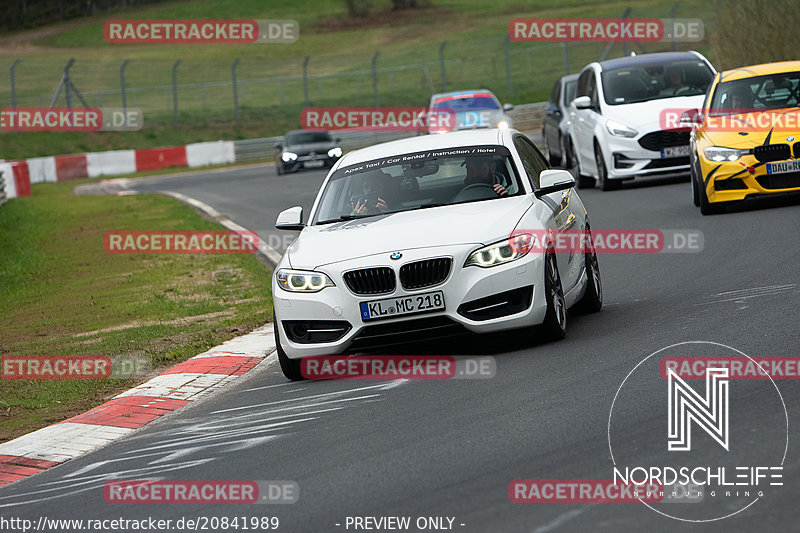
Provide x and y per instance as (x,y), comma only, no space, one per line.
(302,149)
(472,110)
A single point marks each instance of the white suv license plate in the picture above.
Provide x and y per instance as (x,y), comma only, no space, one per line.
(674,151)
(402,306)
(783,167)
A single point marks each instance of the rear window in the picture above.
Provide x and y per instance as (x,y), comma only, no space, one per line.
(307,137)
(459,104)
(773,91)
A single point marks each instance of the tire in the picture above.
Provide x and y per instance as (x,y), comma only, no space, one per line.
(602,173)
(695,184)
(554,327)
(290,367)
(592,300)
(547,152)
(706,207)
(584,182)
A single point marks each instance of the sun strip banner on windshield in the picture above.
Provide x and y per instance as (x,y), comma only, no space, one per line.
(428,155)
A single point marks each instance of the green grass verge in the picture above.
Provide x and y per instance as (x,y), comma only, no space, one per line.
(58,288)
(338,48)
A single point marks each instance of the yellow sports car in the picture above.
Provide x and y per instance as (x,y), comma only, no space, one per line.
(746,139)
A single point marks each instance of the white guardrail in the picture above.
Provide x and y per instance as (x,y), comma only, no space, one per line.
(526,117)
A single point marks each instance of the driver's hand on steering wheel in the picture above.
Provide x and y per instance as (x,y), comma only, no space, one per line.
(500,190)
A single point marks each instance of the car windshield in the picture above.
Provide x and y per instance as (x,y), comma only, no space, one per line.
(308,137)
(654,81)
(774,91)
(417,180)
(468,103)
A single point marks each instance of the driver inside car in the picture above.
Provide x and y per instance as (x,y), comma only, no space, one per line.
(483,170)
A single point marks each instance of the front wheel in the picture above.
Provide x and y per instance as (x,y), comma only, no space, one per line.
(290,367)
(554,327)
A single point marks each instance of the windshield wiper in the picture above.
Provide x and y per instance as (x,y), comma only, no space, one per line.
(432,204)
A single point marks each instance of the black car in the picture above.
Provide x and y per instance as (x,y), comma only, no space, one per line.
(554,130)
(306,149)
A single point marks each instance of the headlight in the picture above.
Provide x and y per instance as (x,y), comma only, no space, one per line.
(502,252)
(503,125)
(619,129)
(335,152)
(302,280)
(719,153)
(288,156)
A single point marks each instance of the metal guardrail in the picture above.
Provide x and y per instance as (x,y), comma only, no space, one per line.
(3,198)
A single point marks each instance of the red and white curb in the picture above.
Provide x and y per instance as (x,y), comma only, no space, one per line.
(173,389)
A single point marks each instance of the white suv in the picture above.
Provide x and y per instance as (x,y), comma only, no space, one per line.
(617,120)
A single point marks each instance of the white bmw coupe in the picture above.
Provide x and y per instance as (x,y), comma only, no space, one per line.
(428,237)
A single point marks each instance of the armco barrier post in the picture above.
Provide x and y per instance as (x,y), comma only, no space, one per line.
(13,86)
(122,88)
(305,80)
(235,94)
(375,79)
(507,52)
(441,65)
(175,92)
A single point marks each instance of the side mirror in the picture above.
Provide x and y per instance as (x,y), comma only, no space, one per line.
(290,219)
(278,146)
(692,117)
(554,180)
(508,107)
(583,102)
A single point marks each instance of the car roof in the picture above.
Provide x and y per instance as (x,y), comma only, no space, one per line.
(436,141)
(760,70)
(644,59)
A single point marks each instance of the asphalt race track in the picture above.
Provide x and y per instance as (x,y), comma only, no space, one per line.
(450,448)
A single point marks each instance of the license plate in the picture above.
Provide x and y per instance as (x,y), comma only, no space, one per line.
(783,167)
(402,306)
(313,164)
(674,151)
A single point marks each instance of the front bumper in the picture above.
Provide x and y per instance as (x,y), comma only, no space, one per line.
(730,181)
(310,163)
(470,297)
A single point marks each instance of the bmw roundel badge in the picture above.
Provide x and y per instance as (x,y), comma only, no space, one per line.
(395,256)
